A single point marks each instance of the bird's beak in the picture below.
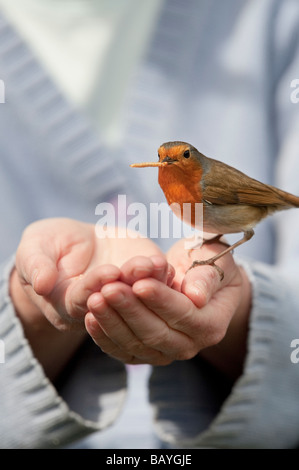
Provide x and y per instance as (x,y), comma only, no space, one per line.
(168,160)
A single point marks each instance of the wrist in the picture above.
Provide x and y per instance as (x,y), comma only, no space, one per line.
(34,323)
(51,347)
(23,305)
(228,356)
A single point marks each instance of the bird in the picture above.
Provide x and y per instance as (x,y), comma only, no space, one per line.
(232,201)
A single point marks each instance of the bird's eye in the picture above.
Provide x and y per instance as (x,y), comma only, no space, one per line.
(187,154)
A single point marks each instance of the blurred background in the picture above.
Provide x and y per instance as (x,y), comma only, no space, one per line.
(94,85)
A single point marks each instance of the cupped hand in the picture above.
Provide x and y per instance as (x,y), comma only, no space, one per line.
(224,305)
(53,256)
(146,320)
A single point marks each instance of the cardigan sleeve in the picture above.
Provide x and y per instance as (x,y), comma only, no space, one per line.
(261,410)
(33,414)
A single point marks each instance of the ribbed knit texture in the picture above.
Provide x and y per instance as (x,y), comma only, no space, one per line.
(52,422)
(261,409)
(165,101)
(75,149)
(68,137)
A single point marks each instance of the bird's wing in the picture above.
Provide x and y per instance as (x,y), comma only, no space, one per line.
(234,187)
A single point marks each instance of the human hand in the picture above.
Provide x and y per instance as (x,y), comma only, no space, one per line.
(53,254)
(224,303)
(142,319)
(52,259)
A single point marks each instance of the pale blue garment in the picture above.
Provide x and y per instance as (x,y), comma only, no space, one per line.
(217,75)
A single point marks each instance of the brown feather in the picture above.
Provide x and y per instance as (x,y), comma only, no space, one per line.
(238,188)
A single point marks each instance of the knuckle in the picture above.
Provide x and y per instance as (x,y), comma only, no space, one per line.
(186,354)
(215,336)
(155,341)
(154,360)
(66,327)
(162,361)
(77,311)
(132,360)
(65,323)
(186,318)
(112,350)
(211,280)
(135,348)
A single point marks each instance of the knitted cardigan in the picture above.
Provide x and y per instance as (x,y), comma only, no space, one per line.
(222,82)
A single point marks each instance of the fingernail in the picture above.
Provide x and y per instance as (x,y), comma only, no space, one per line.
(140,272)
(158,262)
(140,290)
(118,297)
(115,296)
(199,287)
(96,300)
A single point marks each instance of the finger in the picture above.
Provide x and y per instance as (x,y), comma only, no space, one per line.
(141,267)
(152,329)
(82,288)
(202,282)
(112,349)
(36,267)
(162,271)
(176,309)
(203,327)
(135,268)
(98,335)
(216,299)
(170,275)
(111,333)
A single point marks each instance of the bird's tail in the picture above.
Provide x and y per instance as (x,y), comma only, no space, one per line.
(289,198)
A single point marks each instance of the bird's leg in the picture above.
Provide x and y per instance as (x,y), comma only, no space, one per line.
(207,241)
(211,261)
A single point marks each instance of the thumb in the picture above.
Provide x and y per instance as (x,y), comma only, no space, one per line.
(36,268)
(200,284)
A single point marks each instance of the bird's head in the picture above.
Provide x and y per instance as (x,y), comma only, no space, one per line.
(180,171)
(179,154)
(175,156)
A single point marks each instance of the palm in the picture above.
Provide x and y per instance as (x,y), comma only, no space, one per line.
(63,250)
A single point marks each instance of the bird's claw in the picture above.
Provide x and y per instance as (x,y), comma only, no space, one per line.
(207,263)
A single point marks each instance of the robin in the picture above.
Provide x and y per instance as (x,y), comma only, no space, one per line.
(232,201)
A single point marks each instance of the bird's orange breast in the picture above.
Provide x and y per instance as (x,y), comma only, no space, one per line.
(180,188)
